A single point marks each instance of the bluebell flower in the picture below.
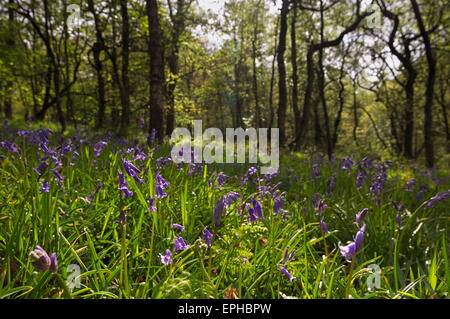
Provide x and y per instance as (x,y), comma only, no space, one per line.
(166,258)
(45,188)
(277,205)
(180,244)
(258,209)
(91,196)
(218,210)
(287,257)
(360,216)
(178,226)
(347,163)
(347,251)
(324,227)
(98,147)
(207,235)
(42,261)
(230,198)
(132,170)
(438,198)
(288,275)
(152,207)
(123,186)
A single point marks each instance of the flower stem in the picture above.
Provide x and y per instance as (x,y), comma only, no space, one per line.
(62,283)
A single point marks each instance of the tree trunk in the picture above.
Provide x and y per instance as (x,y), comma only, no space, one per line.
(282,91)
(125,94)
(156,71)
(294,68)
(428,107)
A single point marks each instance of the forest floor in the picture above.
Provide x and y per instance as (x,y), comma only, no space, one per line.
(124,221)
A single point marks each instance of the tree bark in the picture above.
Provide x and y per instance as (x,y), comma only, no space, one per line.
(428,107)
(156,71)
(282,91)
(125,94)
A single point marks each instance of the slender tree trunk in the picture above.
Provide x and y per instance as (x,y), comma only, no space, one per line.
(428,107)
(156,71)
(125,94)
(178,26)
(255,71)
(294,68)
(97,48)
(272,78)
(282,91)
(322,85)
(10,42)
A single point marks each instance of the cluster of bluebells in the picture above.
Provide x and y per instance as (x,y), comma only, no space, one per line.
(379,181)
(254,211)
(250,172)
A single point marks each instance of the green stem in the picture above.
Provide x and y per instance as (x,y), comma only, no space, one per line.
(125,287)
(350,275)
(62,283)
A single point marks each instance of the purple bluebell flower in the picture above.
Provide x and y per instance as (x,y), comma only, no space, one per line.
(347,163)
(287,257)
(91,196)
(161,184)
(57,174)
(258,209)
(98,147)
(180,244)
(178,226)
(315,172)
(251,171)
(324,227)
(410,184)
(277,205)
(331,185)
(230,198)
(288,275)
(353,247)
(207,235)
(438,198)
(377,187)
(251,212)
(398,207)
(42,262)
(132,170)
(166,259)
(359,238)
(320,207)
(152,207)
(45,187)
(10,147)
(160,193)
(360,216)
(218,210)
(360,178)
(347,251)
(123,186)
(221,179)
